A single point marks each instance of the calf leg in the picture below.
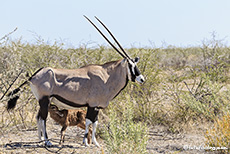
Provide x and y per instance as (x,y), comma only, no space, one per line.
(41,119)
(91,118)
(62,134)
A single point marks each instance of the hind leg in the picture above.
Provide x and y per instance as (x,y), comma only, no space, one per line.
(39,125)
(62,135)
(41,119)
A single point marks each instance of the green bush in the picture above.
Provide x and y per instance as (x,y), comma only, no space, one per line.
(122,134)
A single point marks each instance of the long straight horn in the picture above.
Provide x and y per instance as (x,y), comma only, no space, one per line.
(113,37)
(105,37)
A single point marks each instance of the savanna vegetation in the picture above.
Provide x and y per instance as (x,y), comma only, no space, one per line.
(185,87)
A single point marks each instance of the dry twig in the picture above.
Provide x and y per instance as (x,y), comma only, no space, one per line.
(8,34)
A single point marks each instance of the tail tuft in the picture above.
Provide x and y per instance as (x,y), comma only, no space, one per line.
(12,103)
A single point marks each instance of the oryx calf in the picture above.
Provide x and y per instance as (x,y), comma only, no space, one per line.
(91,86)
(65,118)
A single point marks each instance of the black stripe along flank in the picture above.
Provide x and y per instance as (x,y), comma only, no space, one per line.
(61,99)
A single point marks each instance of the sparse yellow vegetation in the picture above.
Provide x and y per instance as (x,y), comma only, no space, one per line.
(219,134)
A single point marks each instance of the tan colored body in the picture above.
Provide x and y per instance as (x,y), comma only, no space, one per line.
(93,85)
(68,118)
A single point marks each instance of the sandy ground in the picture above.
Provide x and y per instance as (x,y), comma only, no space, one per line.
(26,141)
(187,143)
(160,141)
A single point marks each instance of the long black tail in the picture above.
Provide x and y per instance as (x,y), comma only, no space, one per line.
(13,101)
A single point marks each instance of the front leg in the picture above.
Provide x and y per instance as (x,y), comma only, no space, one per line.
(82,124)
(85,139)
(91,117)
(93,134)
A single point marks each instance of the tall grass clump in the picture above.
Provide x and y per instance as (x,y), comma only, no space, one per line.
(219,135)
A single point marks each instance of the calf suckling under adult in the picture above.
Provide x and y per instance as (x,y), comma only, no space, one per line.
(66,118)
(92,86)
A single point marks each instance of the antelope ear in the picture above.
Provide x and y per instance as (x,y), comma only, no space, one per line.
(59,113)
(123,62)
(136,60)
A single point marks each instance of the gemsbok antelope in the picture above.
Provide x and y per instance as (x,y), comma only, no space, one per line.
(91,86)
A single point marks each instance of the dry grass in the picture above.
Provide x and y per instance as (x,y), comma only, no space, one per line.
(219,135)
(184,86)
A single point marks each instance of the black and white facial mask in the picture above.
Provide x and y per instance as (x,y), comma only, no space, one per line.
(135,74)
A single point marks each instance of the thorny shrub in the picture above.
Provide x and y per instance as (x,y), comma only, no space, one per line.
(164,99)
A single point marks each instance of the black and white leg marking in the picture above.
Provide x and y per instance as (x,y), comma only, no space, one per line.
(91,118)
(41,119)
